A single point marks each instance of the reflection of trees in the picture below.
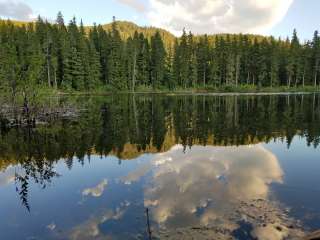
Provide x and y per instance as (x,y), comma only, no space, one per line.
(129,125)
(36,166)
(155,123)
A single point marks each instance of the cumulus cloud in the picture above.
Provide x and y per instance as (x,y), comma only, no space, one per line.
(15,9)
(218,16)
(135,4)
(96,191)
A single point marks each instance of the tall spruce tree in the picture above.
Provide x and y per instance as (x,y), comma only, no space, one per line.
(81,58)
(157,61)
(115,63)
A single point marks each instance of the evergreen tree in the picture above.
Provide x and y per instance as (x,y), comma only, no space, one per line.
(157,61)
(316,57)
(203,58)
(115,68)
(81,58)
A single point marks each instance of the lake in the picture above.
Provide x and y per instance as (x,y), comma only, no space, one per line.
(165,167)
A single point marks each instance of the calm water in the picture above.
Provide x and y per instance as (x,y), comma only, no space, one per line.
(207,167)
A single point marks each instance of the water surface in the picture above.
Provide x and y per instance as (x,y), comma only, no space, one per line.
(239,167)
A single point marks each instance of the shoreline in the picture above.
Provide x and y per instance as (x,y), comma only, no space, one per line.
(196,93)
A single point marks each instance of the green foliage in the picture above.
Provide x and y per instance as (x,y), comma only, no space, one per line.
(124,57)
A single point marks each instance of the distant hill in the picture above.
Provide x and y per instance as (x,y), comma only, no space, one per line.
(16,22)
(127,29)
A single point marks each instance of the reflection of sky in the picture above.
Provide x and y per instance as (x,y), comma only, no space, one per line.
(104,199)
(78,200)
(301,188)
(96,191)
(7,177)
(208,178)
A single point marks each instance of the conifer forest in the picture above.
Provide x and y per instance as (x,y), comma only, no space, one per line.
(74,57)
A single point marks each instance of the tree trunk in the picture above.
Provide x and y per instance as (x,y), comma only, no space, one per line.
(289,80)
(135,115)
(48,67)
(237,69)
(134,71)
(55,80)
(316,73)
(204,78)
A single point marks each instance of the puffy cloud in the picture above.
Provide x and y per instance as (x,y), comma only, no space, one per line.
(218,16)
(135,4)
(96,191)
(15,9)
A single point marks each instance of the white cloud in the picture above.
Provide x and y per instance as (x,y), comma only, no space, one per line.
(15,9)
(96,191)
(218,16)
(135,4)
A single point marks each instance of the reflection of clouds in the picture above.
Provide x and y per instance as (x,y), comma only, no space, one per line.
(135,175)
(269,233)
(96,191)
(208,180)
(90,228)
(52,226)
(7,177)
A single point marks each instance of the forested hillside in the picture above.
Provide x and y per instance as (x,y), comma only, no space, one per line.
(122,56)
(128,29)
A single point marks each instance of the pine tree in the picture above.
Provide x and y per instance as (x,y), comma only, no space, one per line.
(203,55)
(77,58)
(176,65)
(143,61)
(157,61)
(74,71)
(115,68)
(274,63)
(293,60)
(183,61)
(94,74)
(192,62)
(316,57)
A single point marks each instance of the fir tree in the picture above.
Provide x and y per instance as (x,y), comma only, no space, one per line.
(157,61)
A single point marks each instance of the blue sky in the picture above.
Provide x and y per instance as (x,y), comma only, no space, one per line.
(276,17)
(302,15)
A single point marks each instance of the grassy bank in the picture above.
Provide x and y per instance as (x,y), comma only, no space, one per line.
(40,95)
(204,90)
